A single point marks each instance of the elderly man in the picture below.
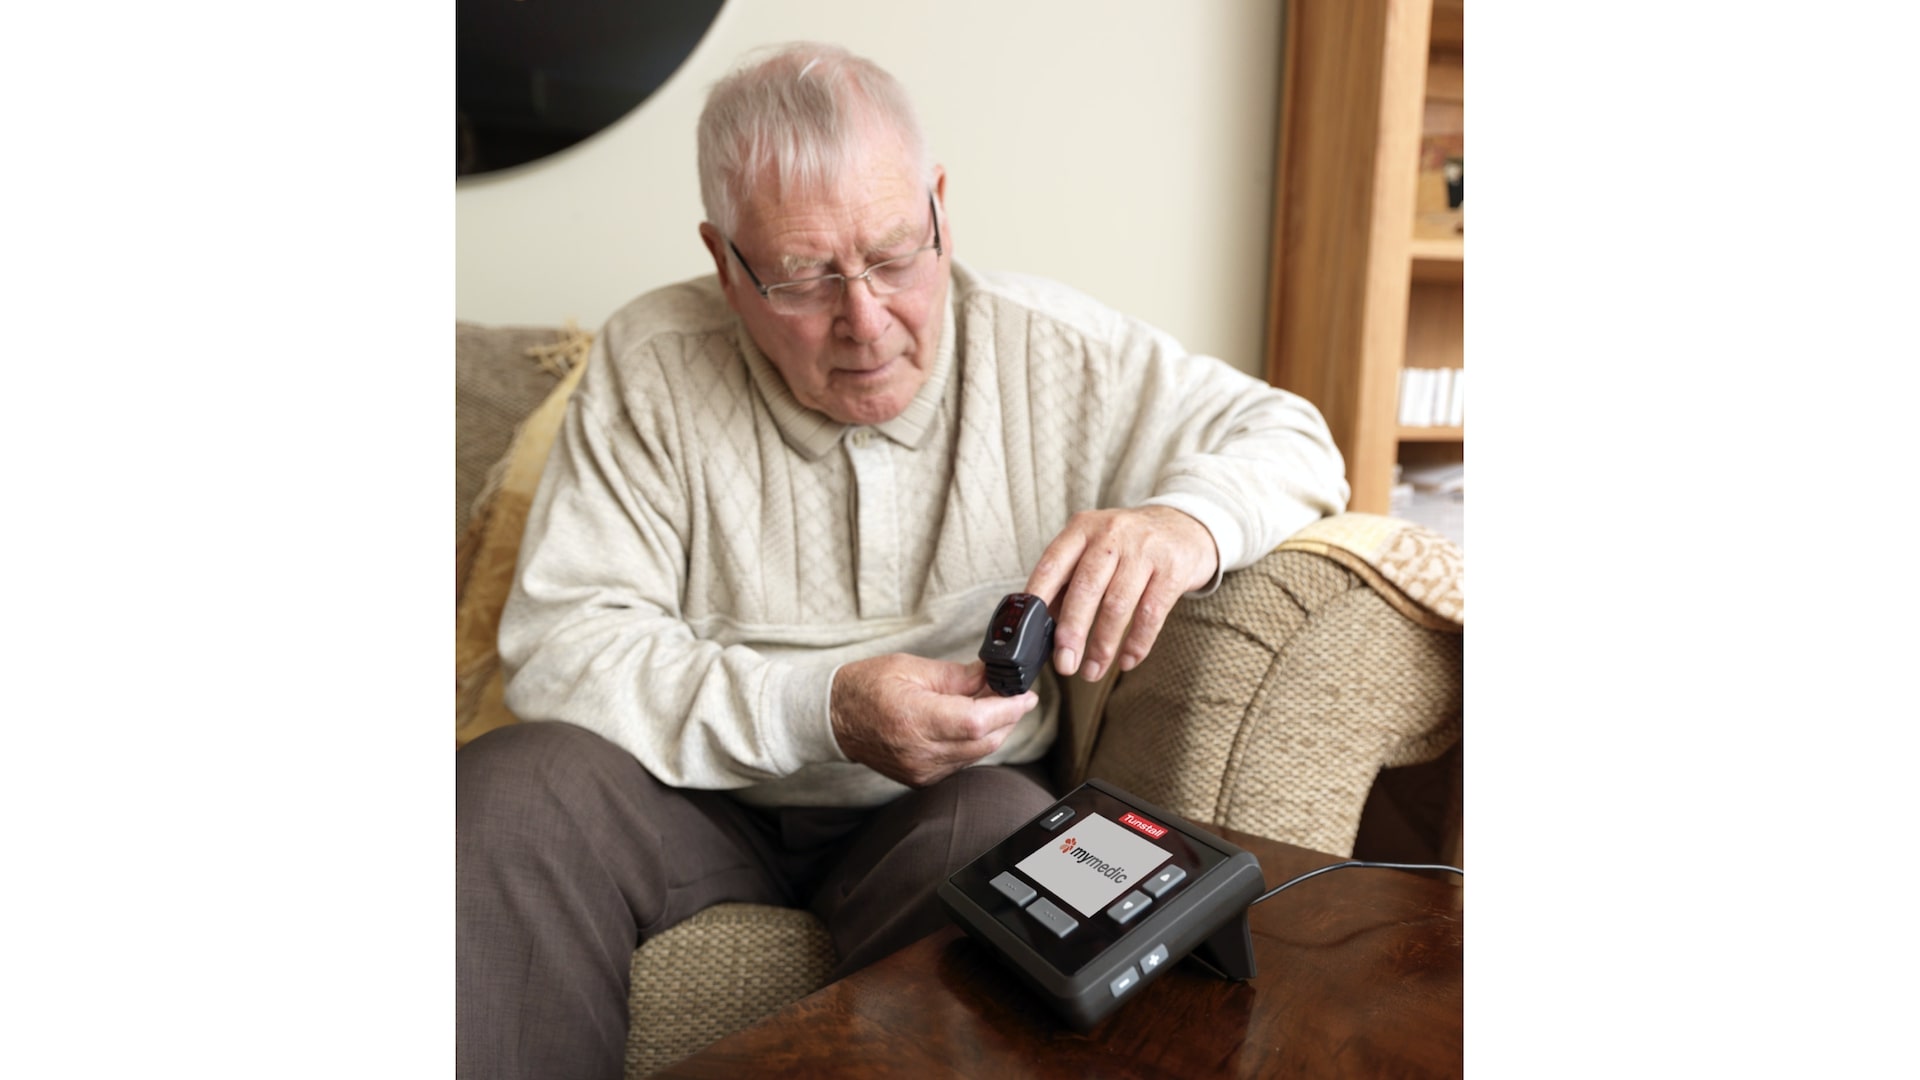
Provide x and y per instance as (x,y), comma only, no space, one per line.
(783,504)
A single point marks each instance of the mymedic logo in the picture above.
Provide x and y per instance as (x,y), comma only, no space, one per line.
(1117,874)
(1086,865)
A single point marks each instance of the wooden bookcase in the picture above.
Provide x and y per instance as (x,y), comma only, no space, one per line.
(1368,273)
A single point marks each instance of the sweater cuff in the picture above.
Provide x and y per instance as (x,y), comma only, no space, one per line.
(804,694)
(1229,540)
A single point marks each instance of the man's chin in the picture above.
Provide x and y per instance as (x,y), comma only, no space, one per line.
(885,396)
(868,411)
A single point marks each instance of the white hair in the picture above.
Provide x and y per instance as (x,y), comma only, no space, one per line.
(798,112)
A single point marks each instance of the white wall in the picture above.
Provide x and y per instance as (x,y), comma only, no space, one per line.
(1124,148)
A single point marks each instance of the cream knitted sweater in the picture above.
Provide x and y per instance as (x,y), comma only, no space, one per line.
(704,552)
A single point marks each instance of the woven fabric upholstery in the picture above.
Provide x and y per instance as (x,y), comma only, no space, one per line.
(1271,705)
(717,973)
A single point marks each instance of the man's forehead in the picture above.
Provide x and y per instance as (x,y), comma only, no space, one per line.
(808,231)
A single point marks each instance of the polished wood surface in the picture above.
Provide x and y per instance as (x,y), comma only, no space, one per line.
(1359,975)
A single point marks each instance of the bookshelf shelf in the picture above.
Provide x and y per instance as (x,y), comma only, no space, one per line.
(1438,260)
(1369,263)
(1438,249)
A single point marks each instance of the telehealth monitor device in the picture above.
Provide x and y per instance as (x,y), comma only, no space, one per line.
(1093,899)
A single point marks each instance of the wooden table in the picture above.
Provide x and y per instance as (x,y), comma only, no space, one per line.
(1359,975)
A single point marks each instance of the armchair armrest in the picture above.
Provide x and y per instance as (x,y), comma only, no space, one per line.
(1271,705)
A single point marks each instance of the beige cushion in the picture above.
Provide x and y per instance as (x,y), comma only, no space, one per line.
(496,384)
(488,550)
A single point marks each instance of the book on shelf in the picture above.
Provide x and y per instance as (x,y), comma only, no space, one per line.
(1433,397)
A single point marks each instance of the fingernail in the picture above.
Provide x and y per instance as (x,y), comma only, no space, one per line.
(1092,672)
(1064,661)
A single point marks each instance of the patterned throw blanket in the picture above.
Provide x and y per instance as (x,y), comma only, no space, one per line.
(1421,573)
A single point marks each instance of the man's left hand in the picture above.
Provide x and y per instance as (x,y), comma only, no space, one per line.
(1118,567)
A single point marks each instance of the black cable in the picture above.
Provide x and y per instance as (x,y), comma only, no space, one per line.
(1356,862)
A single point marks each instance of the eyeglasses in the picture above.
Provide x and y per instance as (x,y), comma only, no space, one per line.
(811,296)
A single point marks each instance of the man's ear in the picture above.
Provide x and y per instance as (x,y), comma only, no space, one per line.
(717,247)
(940,196)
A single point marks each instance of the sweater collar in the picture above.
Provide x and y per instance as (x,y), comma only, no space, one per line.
(811,434)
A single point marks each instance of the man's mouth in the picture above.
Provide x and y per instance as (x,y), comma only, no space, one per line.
(866,373)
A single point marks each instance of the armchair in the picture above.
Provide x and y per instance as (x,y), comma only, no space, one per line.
(1315,698)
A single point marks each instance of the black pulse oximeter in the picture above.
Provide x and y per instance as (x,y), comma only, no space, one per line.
(1093,899)
(1018,642)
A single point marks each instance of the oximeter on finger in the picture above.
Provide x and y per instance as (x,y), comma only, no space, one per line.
(1019,639)
(1090,901)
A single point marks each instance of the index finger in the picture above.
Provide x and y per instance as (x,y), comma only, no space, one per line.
(1056,567)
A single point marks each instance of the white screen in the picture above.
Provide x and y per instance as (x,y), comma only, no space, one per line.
(1092,862)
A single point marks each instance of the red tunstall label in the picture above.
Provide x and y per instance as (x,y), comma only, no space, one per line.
(1135,821)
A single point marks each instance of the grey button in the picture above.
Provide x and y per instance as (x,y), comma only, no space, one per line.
(1130,905)
(1167,878)
(1051,917)
(1013,888)
(1057,818)
(1124,982)
(1153,959)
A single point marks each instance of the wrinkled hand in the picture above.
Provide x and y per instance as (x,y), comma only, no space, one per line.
(1119,567)
(918,721)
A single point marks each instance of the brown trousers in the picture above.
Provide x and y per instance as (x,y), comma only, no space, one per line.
(568,854)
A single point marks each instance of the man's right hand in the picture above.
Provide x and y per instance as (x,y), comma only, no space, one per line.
(918,721)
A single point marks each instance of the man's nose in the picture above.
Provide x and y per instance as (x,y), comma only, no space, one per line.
(865,314)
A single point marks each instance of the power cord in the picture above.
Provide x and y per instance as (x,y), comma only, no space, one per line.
(1353,863)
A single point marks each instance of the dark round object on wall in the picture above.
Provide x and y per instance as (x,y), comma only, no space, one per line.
(534,77)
